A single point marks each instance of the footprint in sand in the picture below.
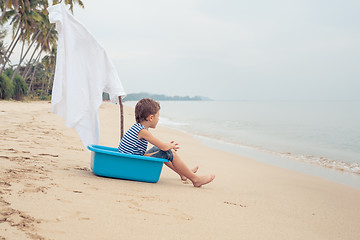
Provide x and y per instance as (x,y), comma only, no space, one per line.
(235,204)
(5,184)
(33,188)
(172,212)
(12,150)
(21,221)
(48,154)
(82,168)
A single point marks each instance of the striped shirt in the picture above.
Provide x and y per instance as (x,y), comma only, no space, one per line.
(131,143)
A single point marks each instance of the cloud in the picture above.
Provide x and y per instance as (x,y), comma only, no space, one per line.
(231,49)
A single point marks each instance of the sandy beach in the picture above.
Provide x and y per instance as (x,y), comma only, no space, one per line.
(47,190)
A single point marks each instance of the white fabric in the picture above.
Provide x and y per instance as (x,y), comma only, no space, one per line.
(83,72)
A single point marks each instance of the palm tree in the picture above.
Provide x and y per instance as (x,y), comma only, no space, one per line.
(17,8)
(30,26)
(26,16)
(49,45)
(31,19)
(47,41)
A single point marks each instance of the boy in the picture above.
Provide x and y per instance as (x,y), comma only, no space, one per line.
(137,137)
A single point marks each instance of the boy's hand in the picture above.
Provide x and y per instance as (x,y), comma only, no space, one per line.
(174,146)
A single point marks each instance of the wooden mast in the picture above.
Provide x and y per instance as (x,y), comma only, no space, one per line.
(121,118)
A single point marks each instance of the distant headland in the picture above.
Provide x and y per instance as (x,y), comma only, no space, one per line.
(161,97)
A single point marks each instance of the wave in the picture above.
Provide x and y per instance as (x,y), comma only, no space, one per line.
(338,165)
(351,168)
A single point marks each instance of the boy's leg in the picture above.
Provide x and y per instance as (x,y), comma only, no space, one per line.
(183,178)
(182,169)
(156,152)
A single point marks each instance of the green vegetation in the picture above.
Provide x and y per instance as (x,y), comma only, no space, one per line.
(6,87)
(33,38)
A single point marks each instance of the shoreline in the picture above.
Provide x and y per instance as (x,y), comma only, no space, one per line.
(312,168)
(48,191)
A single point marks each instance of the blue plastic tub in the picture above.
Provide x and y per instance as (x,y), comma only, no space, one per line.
(108,162)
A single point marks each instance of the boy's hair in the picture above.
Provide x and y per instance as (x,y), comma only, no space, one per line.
(144,108)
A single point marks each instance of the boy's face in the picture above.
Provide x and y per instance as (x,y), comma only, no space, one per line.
(154,119)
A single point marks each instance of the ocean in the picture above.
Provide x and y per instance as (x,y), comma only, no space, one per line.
(315,137)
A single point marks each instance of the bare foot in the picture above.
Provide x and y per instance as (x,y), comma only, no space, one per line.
(194,170)
(202,180)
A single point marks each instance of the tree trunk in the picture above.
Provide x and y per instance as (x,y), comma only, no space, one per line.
(32,77)
(16,36)
(36,62)
(50,82)
(6,57)
(7,53)
(23,57)
(22,49)
(29,63)
(42,86)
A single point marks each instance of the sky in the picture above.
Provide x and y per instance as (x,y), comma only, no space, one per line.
(231,49)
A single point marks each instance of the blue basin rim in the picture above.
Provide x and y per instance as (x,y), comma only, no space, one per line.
(115,152)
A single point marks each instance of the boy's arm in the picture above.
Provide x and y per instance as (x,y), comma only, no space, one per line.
(145,134)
